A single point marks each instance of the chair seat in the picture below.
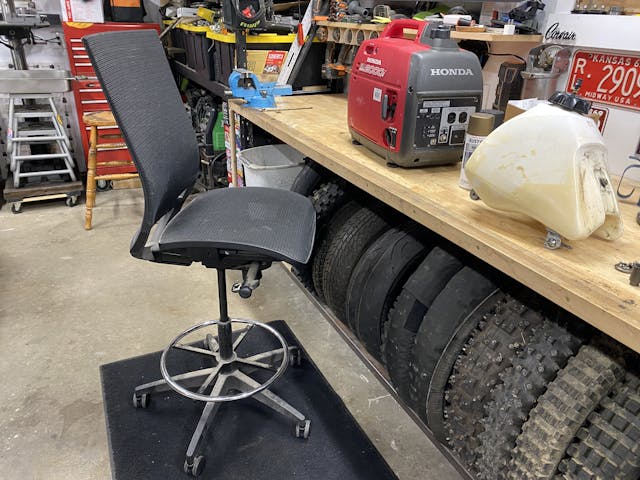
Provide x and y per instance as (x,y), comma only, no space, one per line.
(277,223)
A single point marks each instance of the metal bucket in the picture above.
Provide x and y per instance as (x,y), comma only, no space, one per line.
(545,65)
(539,85)
(34,81)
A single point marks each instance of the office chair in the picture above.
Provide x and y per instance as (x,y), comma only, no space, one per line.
(242,229)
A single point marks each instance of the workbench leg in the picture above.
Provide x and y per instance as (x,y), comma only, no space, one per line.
(91,177)
(232,146)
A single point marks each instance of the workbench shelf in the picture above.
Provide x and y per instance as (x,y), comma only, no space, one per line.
(378,370)
(581,279)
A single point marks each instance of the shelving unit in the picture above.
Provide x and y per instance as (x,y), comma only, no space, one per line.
(582,279)
(378,371)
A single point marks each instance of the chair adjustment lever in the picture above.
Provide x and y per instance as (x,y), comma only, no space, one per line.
(250,280)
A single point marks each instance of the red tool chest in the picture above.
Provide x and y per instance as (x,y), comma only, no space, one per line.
(89,96)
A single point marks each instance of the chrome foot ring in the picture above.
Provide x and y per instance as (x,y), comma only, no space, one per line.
(231,397)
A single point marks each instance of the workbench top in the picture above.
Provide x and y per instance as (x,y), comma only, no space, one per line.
(582,278)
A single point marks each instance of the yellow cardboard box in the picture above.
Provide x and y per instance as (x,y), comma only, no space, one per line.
(266,64)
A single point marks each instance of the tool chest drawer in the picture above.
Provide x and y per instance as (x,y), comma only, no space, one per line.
(75,31)
(89,96)
(90,93)
(78,58)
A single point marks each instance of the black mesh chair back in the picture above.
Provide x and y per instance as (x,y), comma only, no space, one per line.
(137,81)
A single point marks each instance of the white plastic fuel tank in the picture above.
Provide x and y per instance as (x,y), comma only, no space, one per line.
(550,164)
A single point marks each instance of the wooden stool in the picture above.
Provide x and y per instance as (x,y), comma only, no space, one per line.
(95,120)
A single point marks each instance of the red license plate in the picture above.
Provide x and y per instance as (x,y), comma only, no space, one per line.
(607,78)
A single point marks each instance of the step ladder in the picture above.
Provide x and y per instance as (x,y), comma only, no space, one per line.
(30,124)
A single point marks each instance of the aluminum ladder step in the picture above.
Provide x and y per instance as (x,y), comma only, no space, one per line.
(40,156)
(42,114)
(44,173)
(36,139)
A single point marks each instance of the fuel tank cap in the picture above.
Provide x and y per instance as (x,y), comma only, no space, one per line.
(571,101)
(441,31)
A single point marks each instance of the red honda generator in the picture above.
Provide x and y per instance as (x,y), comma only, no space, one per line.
(410,100)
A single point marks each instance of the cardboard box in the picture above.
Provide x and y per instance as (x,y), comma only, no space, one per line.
(516,107)
(82,11)
(266,64)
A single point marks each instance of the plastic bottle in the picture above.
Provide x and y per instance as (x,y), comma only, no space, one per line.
(509,28)
(217,134)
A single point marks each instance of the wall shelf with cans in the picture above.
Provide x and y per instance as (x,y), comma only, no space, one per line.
(343,32)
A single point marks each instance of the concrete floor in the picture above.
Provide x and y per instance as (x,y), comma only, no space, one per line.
(71,300)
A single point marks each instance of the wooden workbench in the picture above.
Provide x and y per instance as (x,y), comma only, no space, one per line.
(581,279)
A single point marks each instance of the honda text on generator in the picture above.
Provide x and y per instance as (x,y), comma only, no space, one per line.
(410,100)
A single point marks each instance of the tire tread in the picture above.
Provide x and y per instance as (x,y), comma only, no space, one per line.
(561,410)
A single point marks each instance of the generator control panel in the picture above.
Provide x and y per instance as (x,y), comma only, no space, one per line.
(443,121)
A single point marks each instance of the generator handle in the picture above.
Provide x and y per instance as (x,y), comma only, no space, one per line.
(396,28)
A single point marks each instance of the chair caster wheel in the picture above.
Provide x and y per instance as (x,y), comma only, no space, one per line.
(211,343)
(140,400)
(295,357)
(196,467)
(104,185)
(303,429)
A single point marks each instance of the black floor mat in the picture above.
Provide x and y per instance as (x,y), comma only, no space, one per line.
(246,440)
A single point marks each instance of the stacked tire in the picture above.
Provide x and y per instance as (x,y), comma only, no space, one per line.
(513,385)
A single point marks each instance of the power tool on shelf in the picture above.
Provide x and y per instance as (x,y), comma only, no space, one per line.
(244,14)
(245,84)
(240,16)
(410,100)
